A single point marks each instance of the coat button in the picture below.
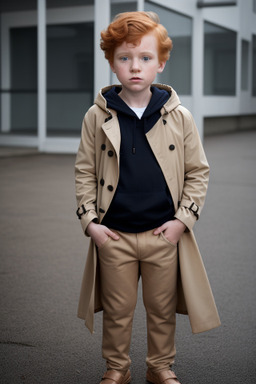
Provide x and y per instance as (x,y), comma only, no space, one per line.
(164,121)
(103,147)
(110,188)
(110,153)
(101,210)
(102,182)
(171,147)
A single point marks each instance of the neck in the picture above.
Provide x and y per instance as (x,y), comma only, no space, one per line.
(136,100)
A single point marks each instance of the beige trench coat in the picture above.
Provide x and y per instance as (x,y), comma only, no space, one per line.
(177,147)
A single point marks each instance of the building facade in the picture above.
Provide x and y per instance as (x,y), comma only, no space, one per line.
(51,66)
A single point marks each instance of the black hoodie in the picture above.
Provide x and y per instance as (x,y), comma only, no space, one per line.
(142,200)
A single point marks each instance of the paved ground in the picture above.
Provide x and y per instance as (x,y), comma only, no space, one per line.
(42,254)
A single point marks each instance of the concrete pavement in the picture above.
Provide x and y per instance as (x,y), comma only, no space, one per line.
(42,255)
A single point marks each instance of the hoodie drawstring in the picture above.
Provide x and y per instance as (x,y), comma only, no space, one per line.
(133,137)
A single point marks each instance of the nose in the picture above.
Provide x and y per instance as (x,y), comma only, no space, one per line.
(135,65)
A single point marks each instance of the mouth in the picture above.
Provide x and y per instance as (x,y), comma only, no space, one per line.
(135,78)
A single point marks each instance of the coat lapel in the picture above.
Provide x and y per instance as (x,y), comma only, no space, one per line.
(159,150)
(112,131)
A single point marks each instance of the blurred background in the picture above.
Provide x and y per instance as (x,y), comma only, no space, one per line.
(51,66)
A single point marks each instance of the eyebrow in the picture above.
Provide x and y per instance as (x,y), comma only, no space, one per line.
(123,53)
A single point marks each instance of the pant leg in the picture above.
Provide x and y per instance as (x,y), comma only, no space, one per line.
(119,271)
(159,281)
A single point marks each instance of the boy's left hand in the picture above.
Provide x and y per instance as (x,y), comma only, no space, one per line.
(172,230)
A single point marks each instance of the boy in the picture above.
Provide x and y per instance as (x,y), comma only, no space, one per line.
(141,181)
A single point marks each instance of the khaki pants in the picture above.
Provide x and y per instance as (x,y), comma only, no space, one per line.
(121,264)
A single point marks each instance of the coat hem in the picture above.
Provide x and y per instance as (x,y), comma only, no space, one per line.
(204,328)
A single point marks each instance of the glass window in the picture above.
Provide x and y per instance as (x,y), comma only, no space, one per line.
(23,80)
(177,71)
(254,6)
(119,7)
(70,76)
(18,68)
(254,65)
(68,3)
(219,60)
(16,6)
(245,65)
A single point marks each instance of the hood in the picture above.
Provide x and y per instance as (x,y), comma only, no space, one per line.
(158,99)
(156,102)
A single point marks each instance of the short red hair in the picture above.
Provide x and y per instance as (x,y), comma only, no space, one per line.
(131,27)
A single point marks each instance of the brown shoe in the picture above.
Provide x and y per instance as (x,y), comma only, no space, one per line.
(116,377)
(162,377)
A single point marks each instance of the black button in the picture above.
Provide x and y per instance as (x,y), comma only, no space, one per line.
(103,147)
(171,147)
(110,188)
(102,210)
(110,153)
(102,182)
(164,121)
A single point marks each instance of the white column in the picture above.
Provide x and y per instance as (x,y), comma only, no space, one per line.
(101,66)
(198,71)
(238,68)
(41,42)
(239,60)
(140,5)
(5,77)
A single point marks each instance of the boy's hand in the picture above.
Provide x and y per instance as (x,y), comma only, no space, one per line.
(99,233)
(172,230)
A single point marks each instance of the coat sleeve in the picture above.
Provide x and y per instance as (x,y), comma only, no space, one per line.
(85,173)
(196,174)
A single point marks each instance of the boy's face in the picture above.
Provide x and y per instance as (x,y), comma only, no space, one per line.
(136,66)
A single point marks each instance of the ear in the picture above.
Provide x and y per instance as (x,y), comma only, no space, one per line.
(161,67)
(112,67)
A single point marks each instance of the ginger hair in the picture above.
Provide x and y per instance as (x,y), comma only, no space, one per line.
(131,27)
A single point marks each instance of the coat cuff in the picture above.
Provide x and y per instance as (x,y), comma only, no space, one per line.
(187,217)
(188,212)
(86,216)
(85,221)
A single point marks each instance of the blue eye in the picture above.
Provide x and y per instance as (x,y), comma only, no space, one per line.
(124,58)
(146,58)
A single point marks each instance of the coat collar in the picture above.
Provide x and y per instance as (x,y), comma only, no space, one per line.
(171,103)
(111,126)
